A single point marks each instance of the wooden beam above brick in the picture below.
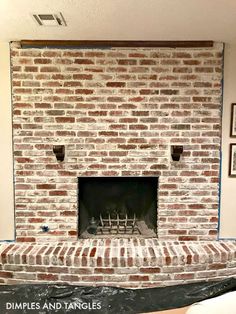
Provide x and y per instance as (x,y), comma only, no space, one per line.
(113,44)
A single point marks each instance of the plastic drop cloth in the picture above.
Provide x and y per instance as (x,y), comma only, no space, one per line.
(53,298)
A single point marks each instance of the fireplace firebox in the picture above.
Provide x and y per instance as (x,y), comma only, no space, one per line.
(117,206)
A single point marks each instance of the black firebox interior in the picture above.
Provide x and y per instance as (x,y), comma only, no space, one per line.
(109,196)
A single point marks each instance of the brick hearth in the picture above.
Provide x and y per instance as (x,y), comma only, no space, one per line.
(117,262)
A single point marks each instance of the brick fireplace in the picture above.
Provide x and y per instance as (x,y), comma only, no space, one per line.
(118,112)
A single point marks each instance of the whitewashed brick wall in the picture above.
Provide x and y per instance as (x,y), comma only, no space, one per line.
(117,111)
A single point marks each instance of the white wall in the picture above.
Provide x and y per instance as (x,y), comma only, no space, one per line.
(228,184)
(6,163)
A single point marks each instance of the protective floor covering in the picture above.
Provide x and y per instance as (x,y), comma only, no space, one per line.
(105,300)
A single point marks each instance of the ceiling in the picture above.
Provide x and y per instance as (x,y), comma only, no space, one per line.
(121,20)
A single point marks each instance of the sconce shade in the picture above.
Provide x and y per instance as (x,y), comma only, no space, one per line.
(59,151)
(176,152)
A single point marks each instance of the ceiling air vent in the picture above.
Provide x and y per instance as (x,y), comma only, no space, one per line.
(55,19)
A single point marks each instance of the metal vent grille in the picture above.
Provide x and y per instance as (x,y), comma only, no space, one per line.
(55,19)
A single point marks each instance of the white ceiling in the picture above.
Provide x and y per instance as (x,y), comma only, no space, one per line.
(122,20)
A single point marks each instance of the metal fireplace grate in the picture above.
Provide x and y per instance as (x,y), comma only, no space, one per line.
(120,224)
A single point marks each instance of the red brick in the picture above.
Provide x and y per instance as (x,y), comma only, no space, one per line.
(65,119)
(108,133)
(84,91)
(57,193)
(26,239)
(104,270)
(84,61)
(115,84)
(47,277)
(127,62)
(150,270)
(115,99)
(217,266)
(42,61)
(70,278)
(45,186)
(92,278)
(177,232)
(187,238)
(184,276)
(6,274)
(68,213)
(36,220)
(49,69)
(138,278)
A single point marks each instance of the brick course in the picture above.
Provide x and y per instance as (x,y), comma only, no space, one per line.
(117,111)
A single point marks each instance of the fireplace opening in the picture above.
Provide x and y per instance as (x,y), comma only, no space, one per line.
(117,206)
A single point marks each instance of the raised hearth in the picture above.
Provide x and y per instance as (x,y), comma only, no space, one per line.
(126,263)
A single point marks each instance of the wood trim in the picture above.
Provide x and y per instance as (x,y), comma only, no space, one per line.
(232,134)
(231,159)
(113,43)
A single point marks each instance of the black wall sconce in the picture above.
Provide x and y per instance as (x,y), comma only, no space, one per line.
(176,152)
(59,151)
